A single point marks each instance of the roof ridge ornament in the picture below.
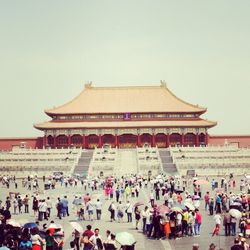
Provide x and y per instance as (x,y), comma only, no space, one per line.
(88,85)
(163,84)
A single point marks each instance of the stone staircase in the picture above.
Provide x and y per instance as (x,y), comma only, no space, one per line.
(167,162)
(82,166)
(126,163)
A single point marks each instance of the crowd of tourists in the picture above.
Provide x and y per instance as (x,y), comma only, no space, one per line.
(172,210)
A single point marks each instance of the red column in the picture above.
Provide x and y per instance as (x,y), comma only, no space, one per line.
(69,140)
(182,139)
(197,140)
(206,139)
(86,142)
(83,142)
(54,141)
(138,140)
(116,141)
(153,140)
(100,141)
(45,141)
(168,140)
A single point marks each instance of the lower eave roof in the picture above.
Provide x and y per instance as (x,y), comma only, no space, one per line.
(125,124)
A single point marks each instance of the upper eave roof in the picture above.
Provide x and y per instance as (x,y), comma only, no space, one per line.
(134,99)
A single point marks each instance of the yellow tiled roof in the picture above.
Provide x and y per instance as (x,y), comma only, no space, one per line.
(93,100)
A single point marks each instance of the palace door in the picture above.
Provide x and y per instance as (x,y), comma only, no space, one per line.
(127,141)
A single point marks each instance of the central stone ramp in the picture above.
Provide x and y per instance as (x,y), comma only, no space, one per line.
(167,162)
(127,162)
(82,167)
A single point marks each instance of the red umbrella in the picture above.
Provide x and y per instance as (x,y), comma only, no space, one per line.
(201,182)
(137,204)
(163,209)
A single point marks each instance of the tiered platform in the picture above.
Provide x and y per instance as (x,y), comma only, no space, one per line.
(22,162)
(103,162)
(149,160)
(212,160)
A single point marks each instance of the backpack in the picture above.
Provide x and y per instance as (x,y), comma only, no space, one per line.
(99,244)
(110,208)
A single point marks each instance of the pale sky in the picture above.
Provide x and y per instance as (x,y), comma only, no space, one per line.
(49,49)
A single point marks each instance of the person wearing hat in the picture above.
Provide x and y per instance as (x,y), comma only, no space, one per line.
(237,245)
(244,244)
(212,246)
(196,246)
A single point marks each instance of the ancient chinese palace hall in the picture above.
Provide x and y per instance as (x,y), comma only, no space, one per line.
(125,117)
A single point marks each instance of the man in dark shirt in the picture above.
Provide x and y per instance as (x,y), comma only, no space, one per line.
(236,245)
(87,234)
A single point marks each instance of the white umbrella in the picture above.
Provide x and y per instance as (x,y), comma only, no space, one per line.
(189,206)
(55,226)
(235,213)
(125,239)
(13,223)
(76,226)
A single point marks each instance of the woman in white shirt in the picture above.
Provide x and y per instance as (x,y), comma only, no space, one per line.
(36,240)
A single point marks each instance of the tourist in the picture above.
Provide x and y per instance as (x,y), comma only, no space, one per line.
(77,236)
(117,194)
(233,225)
(152,198)
(87,244)
(42,210)
(110,244)
(128,210)
(49,207)
(120,213)
(217,219)
(20,204)
(212,246)
(191,223)
(111,209)
(144,218)
(59,208)
(25,244)
(227,223)
(36,239)
(96,240)
(98,206)
(211,206)
(237,245)
(65,208)
(90,209)
(35,206)
(206,199)
(137,216)
(15,205)
(26,204)
(198,220)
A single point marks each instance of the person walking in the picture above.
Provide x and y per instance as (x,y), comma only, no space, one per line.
(227,223)
(198,220)
(128,210)
(211,206)
(26,204)
(206,199)
(120,212)
(217,219)
(98,206)
(137,217)
(111,209)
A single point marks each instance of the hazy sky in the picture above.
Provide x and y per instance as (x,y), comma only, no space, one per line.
(49,49)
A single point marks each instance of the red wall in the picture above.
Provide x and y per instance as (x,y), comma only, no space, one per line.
(7,143)
(241,140)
